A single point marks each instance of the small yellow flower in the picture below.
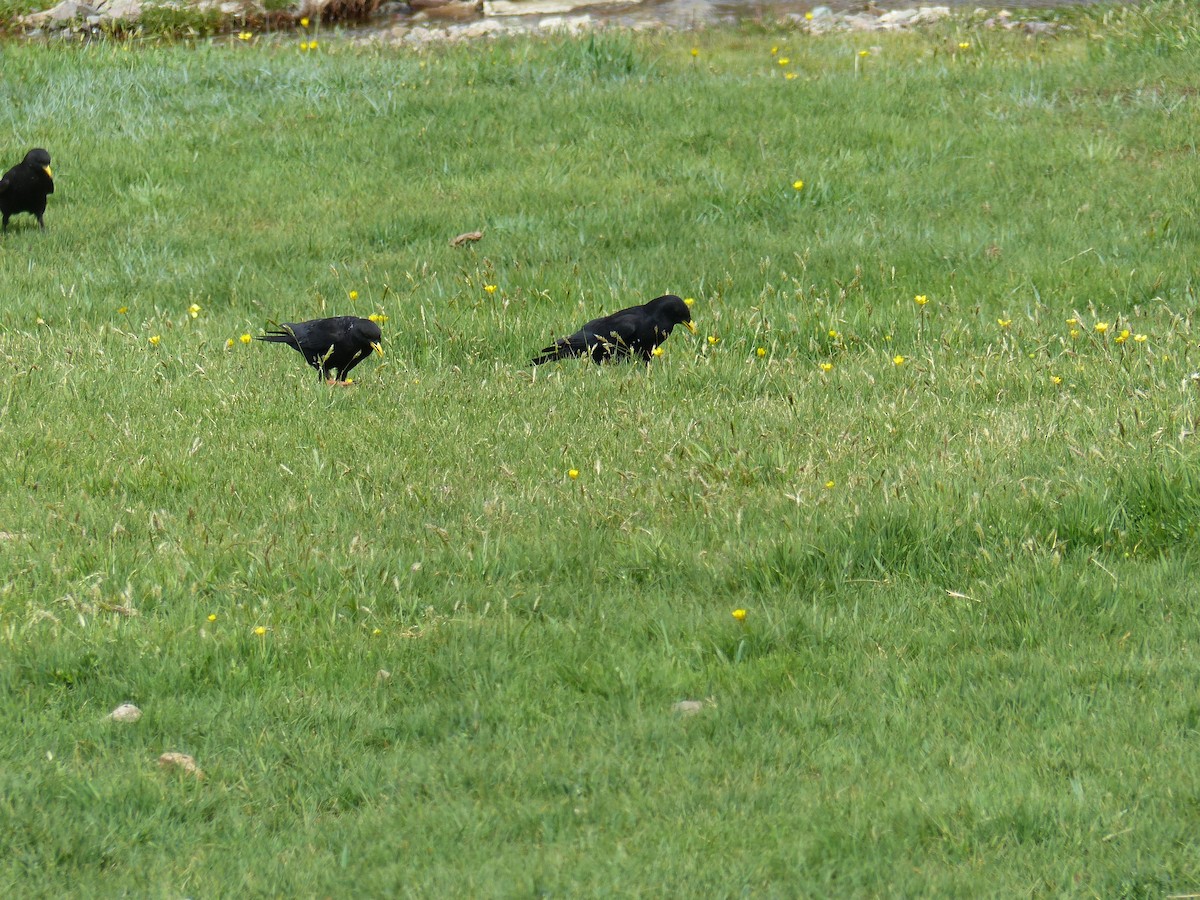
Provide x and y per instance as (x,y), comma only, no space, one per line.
(964,45)
(798,184)
(154,339)
(829,485)
(572,474)
(312,45)
(789,75)
(657,351)
(1074,332)
(712,340)
(1004,323)
(920,299)
(244,35)
(39,321)
(121,310)
(1122,337)
(229,344)
(689,301)
(377,631)
(808,16)
(194,310)
(1101,327)
(760,352)
(353,295)
(740,615)
(898,360)
(1056,379)
(783,60)
(833,334)
(695,51)
(888,338)
(212,617)
(827,367)
(1072,322)
(1140,338)
(774,50)
(304,22)
(260,631)
(864,53)
(490,288)
(378,318)
(245,339)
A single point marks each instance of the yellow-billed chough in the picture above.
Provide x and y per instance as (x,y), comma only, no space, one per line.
(330,345)
(25,186)
(635,331)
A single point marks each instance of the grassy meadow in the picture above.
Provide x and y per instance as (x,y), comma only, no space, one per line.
(424,635)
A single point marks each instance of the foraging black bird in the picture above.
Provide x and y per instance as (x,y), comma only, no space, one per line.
(330,345)
(25,186)
(635,331)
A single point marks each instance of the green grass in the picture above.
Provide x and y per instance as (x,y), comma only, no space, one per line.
(968,666)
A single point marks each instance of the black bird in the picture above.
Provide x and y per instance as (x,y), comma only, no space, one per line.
(330,345)
(25,186)
(636,331)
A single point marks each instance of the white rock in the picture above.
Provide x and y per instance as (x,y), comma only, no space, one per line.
(126,712)
(542,7)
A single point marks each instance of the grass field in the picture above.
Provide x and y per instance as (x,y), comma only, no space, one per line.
(414,656)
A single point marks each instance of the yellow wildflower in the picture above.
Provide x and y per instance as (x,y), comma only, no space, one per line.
(194,310)
(245,339)
(798,184)
(304,22)
(1122,337)
(789,75)
(1140,338)
(783,60)
(864,53)
(121,310)
(898,360)
(657,351)
(212,617)
(695,51)
(1101,327)
(1004,323)
(229,344)
(920,299)
(1056,379)
(490,288)
(260,631)
(712,340)
(572,474)
(377,318)
(154,339)
(964,45)
(1074,332)
(740,615)
(689,301)
(826,367)
(829,485)
(244,35)
(760,352)
(353,295)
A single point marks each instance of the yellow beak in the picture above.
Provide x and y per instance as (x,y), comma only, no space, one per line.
(691,326)
(48,172)
(378,349)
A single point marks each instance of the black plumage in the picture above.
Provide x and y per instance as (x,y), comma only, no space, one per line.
(635,331)
(25,187)
(336,345)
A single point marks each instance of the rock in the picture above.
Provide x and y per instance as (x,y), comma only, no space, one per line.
(897,18)
(688,707)
(126,712)
(542,7)
(68,10)
(180,762)
(120,10)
